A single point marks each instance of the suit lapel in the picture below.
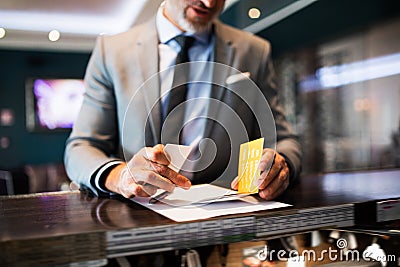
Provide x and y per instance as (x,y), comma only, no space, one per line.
(147,53)
(224,53)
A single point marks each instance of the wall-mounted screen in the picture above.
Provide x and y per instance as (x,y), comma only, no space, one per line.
(53,104)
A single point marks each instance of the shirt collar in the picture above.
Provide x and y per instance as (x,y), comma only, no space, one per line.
(167,31)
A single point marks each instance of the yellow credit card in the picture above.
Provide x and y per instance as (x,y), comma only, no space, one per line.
(249,158)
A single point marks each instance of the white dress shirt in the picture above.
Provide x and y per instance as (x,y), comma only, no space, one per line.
(201,50)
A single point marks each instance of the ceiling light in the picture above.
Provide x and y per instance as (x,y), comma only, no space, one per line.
(116,19)
(254,13)
(54,35)
(2,33)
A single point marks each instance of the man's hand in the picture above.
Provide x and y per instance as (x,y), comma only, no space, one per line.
(274,178)
(146,172)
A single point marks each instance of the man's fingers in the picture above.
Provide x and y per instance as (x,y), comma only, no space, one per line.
(146,182)
(267,176)
(267,159)
(235,183)
(129,189)
(134,189)
(155,154)
(153,178)
(148,171)
(276,187)
(273,181)
(144,170)
(148,190)
(174,177)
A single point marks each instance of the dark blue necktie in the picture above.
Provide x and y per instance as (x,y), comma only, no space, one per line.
(178,93)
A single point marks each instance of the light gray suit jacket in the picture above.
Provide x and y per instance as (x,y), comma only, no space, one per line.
(122,86)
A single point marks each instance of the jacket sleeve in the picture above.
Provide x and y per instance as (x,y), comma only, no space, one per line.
(94,137)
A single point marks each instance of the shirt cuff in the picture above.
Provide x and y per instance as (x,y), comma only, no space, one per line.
(101,175)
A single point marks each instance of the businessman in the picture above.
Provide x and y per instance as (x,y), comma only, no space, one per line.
(117,143)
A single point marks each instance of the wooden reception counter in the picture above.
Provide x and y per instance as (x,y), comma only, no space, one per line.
(71,227)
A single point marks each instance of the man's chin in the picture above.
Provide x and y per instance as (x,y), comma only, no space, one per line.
(194,27)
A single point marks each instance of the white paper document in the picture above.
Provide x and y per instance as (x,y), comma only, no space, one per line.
(196,195)
(204,201)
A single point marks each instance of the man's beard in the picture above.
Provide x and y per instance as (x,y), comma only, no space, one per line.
(191,26)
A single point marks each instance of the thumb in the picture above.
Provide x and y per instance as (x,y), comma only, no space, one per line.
(234,183)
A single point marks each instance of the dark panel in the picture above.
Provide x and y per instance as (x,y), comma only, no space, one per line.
(26,147)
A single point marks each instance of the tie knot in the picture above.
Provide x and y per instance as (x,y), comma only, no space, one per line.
(185,42)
